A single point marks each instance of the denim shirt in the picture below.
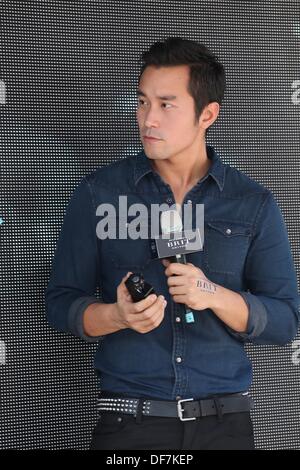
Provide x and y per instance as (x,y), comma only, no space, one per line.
(246,249)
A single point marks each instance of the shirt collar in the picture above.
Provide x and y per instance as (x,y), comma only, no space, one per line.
(142,166)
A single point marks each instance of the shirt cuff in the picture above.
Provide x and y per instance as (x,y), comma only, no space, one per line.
(257,319)
(75,317)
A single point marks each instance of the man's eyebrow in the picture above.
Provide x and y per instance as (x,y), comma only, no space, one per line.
(167,97)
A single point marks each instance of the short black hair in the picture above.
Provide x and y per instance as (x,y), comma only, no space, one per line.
(207,75)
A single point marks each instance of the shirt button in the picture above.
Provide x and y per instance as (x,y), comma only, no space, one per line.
(178,398)
(169,200)
(189,201)
(178,359)
(228,231)
(178,319)
(120,419)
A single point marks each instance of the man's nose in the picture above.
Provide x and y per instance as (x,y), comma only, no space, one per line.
(151,119)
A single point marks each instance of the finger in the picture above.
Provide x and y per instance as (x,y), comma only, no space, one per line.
(177,268)
(122,289)
(177,280)
(122,286)
(145,303)
(122,283)
(124,296)
(155,309)
(156,318)
(151,311)
(126,276)
(165,262)
(178,290)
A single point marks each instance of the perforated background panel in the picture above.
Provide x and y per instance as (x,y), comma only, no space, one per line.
(70,72)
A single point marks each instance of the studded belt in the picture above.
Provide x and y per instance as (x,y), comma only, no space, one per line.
(186,410)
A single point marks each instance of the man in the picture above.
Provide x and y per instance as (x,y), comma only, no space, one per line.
(165,383)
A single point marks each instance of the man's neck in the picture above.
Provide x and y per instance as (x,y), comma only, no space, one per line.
(183,172)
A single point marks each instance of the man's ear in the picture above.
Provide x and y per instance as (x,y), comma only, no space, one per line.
(209,115)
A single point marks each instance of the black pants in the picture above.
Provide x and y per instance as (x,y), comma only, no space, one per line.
(117,431)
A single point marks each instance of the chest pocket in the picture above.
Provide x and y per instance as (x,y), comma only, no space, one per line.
(127,253)
(226,246)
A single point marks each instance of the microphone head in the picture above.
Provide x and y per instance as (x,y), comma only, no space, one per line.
(170,221)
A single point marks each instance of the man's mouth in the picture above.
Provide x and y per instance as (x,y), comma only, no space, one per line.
(151,139)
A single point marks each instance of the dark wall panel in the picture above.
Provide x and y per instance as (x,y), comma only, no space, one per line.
(67,92)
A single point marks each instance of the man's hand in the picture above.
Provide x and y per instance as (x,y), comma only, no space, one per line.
(190,286)
(142,316)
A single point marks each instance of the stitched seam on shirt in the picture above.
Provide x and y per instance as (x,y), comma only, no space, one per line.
(259,212)
(94,215)
(268,196)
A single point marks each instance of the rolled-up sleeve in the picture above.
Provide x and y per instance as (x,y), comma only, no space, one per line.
(272,295)
(75,272)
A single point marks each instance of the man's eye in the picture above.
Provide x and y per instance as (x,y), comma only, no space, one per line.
(140,102)
(166,105)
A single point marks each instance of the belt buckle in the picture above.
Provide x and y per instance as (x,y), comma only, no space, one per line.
(181,410)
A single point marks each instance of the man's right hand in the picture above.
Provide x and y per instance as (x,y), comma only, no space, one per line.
(142,316)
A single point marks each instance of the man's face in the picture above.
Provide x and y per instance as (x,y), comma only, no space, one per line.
(166,111)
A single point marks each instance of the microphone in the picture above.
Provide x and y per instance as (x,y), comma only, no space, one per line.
(171,223)
(175,243)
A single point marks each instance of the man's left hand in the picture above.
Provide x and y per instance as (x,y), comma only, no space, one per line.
(188,285)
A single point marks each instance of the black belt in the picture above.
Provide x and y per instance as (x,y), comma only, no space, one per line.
(186,410)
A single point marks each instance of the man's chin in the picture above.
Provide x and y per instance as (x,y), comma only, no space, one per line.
(154,155)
